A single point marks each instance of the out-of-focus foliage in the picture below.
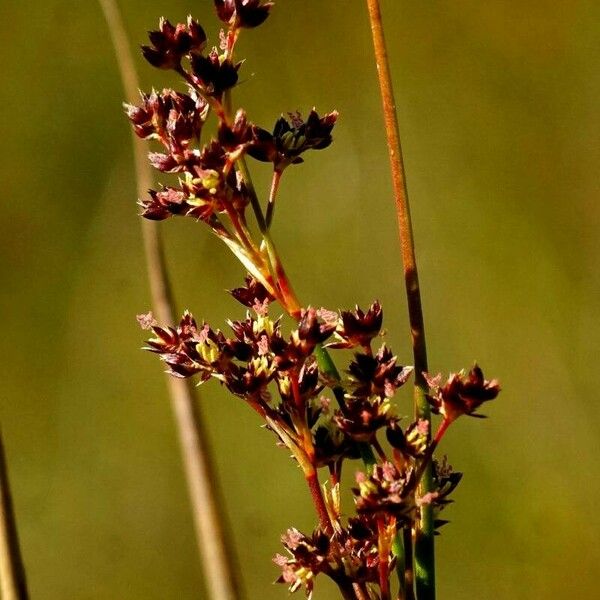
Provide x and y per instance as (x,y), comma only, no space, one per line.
(498,109)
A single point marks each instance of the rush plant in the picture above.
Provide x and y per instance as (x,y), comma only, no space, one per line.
(382,547)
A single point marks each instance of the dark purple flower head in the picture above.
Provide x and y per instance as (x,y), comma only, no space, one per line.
(236,135)
(291,138)
(312,330)
(385,490)
(171,43)
(331,444)
(214,73)
(308,556)
(361,418)
(181,347)
(411,443)
(377,375)
(358,328)
(163,204)
(243,13)
(253,295)
(462,394)
(173,118)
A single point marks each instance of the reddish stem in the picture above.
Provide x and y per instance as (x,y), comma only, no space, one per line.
(315,491)
(384,552)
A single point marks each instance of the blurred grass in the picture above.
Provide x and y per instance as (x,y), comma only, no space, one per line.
(498,111)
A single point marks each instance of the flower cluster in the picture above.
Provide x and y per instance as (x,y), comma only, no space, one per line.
(462,394)
(289,379)
(350,555)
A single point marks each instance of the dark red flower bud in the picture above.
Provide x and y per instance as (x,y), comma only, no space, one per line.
(413,442)
(171,117)
(166,163)
(377,375)
(214,74)
(358,328)
(291,138)
(253,295)
(164,203)
(462,394)
(361,418)
(171,43)
(237,134)
(312,329)
(243,13)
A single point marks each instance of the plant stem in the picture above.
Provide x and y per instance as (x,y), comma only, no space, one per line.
(398,551)
(315,491)
(220,566)
(360,589)
(424,550)
(409,576)
(13,583)
(384,553)
(272,196)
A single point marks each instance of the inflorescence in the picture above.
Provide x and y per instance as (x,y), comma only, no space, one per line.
(289,379)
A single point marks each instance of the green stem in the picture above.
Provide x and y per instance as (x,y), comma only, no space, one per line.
(327,366)
(424,547)
(398,551)
(13,583)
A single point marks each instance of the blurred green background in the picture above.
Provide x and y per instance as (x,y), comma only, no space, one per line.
(498,104)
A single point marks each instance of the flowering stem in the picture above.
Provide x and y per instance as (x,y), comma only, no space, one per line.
(13,583)
(272,196)
(424,550)
(219,563)
(384,552)
(291,303)
(315,491)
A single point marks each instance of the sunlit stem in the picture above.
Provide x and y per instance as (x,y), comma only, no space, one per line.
(273,196)
(424,547)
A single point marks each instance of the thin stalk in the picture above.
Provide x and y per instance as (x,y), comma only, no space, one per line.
(273,196)
(360,589)
(291,301)
(220,567)
(409,575)
(384,551)
(398,551)
(317,495)
(424,549)
(13,583)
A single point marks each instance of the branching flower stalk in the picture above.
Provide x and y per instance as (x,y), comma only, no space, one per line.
(290,380)
(216,549)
